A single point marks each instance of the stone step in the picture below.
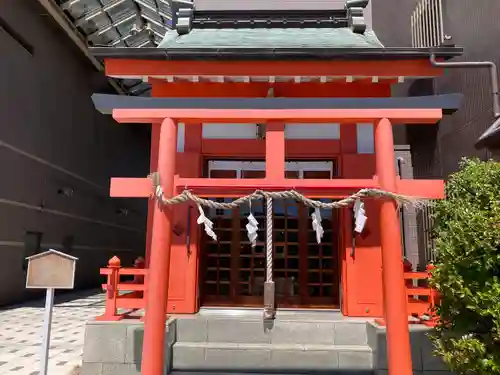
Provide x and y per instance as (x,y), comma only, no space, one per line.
(296,358)
(281,331)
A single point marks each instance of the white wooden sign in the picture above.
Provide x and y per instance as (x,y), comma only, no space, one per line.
(49,270)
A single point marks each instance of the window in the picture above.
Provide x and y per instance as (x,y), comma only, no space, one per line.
(312,131)
(365,138)
(32,244)
(230,131)
(67,244)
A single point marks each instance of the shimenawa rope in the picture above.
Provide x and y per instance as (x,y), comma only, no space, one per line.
(187,195)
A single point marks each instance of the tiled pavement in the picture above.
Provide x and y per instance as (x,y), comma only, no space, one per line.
(21,329)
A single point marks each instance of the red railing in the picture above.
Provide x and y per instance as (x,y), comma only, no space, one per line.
(422,298)
(123,295)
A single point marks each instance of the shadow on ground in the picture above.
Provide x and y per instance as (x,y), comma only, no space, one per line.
(83,298)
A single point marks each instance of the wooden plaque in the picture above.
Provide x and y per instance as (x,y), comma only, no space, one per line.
(51,269)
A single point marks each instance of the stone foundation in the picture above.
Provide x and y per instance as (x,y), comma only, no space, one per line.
(424,361)
(115,348)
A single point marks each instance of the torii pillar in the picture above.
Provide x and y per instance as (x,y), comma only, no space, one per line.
(395,299)
(153,358)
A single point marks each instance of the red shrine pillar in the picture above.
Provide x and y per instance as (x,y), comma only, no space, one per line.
(156,306)
(395,300)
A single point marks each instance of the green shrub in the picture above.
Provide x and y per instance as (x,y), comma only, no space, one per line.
(467,232)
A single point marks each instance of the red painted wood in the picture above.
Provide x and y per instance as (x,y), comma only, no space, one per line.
(348,139)
(276,184)
(161,88)
(381,68)
(430,189)
(184,262)
(153,357)
(297,116)
(394,292)
(275,150)
(256,148)
(130,187)
(141,187)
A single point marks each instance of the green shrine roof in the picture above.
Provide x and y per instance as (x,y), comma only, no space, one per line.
(270,38)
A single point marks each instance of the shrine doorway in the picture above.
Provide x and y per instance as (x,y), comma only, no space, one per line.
(306,274)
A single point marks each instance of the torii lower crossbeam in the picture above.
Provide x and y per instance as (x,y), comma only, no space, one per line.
(335,188)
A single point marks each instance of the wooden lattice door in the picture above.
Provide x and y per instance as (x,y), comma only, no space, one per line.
(306,274)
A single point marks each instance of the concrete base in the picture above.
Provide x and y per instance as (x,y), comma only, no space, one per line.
(115,348)
(294,344)
(424,361)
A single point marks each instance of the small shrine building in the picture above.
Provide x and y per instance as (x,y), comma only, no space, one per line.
(275,101)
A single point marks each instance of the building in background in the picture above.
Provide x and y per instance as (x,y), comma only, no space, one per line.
(436,151)
(471,25)
(57,154)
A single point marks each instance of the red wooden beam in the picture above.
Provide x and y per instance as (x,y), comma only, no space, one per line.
(130,187)
(381,68)
(274,184)
(345,116)
(142,188)
(429,189)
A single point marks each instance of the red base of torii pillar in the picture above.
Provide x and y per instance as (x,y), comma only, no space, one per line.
(399,354)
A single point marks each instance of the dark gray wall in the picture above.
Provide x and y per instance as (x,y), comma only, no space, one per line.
(436,151)
(475,26)
(51,137)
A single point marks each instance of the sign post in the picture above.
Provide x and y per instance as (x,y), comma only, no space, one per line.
(49,270)
(47,324)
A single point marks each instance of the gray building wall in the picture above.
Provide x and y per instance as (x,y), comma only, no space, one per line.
(52,139)
(436,151)
(474,26)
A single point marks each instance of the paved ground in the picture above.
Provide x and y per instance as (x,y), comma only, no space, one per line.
(20,334)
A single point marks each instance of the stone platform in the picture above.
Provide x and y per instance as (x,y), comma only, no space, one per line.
(239,342)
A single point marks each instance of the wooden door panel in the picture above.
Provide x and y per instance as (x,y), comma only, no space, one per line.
(305,273)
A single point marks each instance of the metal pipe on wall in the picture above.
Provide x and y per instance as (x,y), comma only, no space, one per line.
(476,64)
(495,127)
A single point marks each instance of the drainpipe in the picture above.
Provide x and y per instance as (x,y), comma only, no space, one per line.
(494,88)
(63,21)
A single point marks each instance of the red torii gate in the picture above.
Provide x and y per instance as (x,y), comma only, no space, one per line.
(395,299)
